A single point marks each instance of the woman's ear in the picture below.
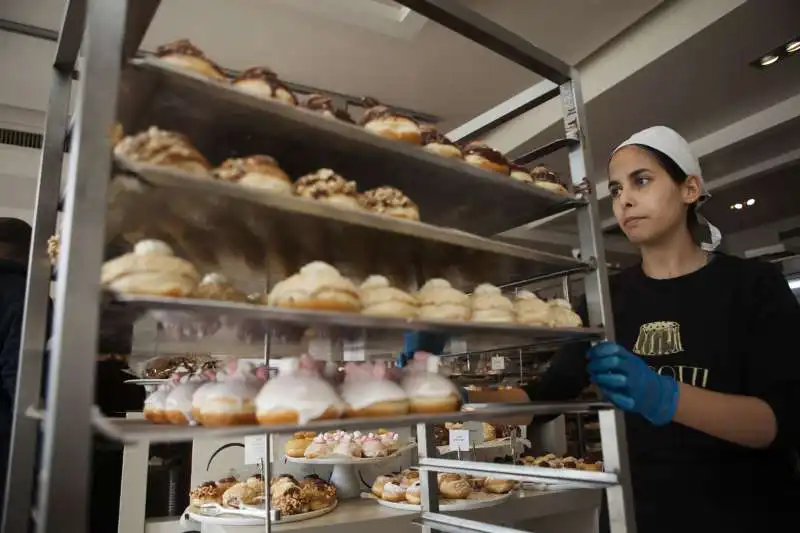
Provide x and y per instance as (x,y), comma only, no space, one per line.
(691,190)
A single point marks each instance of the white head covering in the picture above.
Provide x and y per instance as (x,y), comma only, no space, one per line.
(670,143)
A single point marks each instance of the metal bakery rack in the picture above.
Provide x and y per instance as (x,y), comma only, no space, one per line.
(117,84)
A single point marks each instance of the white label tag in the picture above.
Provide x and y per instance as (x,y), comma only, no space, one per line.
(255,449)
(498,362)
(459,440)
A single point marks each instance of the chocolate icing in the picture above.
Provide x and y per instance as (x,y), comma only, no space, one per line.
(267,76)
(379,112)
(487,152)
(431,135)
(323,103)
(183,47)
(545,173)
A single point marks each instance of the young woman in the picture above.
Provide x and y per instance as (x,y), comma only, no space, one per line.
(705,363)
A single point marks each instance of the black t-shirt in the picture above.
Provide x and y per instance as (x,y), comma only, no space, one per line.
(729,327)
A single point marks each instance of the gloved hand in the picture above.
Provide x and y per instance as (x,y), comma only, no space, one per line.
(627,382)
(420,341)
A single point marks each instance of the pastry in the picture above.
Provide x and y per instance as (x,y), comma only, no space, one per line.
(530,309)
(206,493)
(448,476)
(569,462)
(391,440)
(257,171)
(427,390)
(373,446)
(256,482)
(155,404)
(200,395)
(594,467)
(297,396)
(414,493)
(546,178)
(164,149)
(489,305)
(520,173)
(435,142)
(380,482)
(178,404)
(53,248)
(282,484)
(291,502)
(562,314)
(477,482)
(323,104)
(389,201)
(385,122)
(238,495)
(367,392)
(318,448)
(489,432)
(347,447)
(325,185)
(150,269)
(408,477)
(317,286)
(438,300)
(319,493)
(455,489)
(483,156)
(392,492)
(225,483)
(379,298)
(498,486)
(229,402)
(183,54)
(216,286)
(297,445)
(264,83)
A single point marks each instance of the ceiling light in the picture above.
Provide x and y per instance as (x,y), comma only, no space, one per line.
(768,60)
(794,283)
(792,46)
(751,201)
(737,206)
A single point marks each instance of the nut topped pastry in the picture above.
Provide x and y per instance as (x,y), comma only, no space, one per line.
(389,201)
(545,177)
(206,493)
(436,142)
(326,185)
(256,171)
(520,173)
(264,83)
(163,148)
(323,104)
(388,123)
(185,55)
(484,156)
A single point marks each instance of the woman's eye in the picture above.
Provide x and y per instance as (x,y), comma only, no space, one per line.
(642,181)
(614,190)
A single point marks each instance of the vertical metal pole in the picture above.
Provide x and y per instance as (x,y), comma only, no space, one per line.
(24,435)
(66,458)
(429,493)
(598,299)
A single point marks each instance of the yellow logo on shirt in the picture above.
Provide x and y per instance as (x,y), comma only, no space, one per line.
(659,338)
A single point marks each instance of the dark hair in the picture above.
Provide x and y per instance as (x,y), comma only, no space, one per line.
(15,239)
(678,176)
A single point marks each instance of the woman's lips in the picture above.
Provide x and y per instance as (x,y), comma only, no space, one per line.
(632,221)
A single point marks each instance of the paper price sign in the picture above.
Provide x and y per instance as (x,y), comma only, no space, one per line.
(459,440)
(498,362)
(255,449)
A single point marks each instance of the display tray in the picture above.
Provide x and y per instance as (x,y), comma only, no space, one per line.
(223,122)
(213,222)
(199,515)
(137,430)
(505,442)
(476,500)
(342,460)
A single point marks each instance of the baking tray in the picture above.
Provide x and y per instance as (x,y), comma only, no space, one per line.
(223,122)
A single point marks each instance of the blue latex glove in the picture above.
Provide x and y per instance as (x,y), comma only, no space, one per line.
(420,341)
(627,382)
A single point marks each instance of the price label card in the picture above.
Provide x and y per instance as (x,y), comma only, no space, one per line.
(255,449)
(498,362)
(459,440)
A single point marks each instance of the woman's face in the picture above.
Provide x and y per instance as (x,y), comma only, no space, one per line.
(648,204)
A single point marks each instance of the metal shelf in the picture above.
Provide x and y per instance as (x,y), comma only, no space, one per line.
(450,193)
(134,431)
(210,221)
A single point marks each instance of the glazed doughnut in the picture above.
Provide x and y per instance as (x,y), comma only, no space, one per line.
(384,122)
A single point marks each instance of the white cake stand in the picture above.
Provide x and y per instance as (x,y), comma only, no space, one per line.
(345,474)
(198,515)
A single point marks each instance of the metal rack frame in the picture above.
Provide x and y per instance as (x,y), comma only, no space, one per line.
(107,31)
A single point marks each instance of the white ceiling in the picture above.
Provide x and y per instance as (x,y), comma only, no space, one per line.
(359,47)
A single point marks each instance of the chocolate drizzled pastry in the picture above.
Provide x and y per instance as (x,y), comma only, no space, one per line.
(520,173)
(260,73)
(386,122)
(380,112)
(257,171)
(323,103)
(389,201)
(546,174)
(326,185)
(264,83)
(185,54)
(432,135)
(487,152)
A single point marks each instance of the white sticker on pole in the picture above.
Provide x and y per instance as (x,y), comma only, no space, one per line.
(498,362)
(255,449)
(459,440)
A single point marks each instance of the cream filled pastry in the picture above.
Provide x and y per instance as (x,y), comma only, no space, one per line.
(150,269)
(200,395)
(379,298)
(297,396)
(319,286)
(481,155)
(388,123)
(230,402)
(367,392)
(437,143)
(185,55)
(389,201)
(562,314)
(178,405)
(325,185)
(530,309)
(155,404)
(264,83)
(257,172)
(520,173)
(216,286)
(393,492)
(427,390)
(438,300)
(489,305)
(546,178)
(163,148)
(323,104)
(373,446)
